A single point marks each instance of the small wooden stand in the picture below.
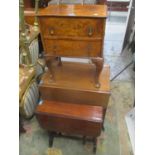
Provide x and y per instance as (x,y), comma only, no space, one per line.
(77,32)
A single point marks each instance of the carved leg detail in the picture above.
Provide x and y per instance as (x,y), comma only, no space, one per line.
(49,61)
(99,65)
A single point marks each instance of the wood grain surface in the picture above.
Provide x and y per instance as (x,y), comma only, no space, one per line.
(71,110)
(97,11)
(70,118)
(74,82)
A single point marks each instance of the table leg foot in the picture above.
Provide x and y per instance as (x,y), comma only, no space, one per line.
(49,61)
(98,62)
(51,138)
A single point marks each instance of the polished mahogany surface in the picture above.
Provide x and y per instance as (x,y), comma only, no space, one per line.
(74,111)
(78,76)
(95,11)
(72,119)
(74,82)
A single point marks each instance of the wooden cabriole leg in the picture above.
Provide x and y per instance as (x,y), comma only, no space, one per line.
(49,61)
(99,65)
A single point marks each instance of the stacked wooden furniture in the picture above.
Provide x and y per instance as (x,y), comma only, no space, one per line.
(75,95)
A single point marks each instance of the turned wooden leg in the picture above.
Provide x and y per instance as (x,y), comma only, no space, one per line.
(99,65)
(104,112)
(51,138)
(95,144)
(84,139)
(49,61)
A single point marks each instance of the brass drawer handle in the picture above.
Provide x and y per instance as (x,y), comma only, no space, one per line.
(51,31)
(90,31)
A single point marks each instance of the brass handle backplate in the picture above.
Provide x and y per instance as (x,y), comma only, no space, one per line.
(51,31)
(90,31)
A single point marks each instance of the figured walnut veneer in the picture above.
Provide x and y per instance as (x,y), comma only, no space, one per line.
(74,31)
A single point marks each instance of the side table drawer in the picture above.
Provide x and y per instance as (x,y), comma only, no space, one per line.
(73,48)
(74,27)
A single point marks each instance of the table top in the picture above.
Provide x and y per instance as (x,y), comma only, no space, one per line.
(67,77)
(71,110)
(96,11)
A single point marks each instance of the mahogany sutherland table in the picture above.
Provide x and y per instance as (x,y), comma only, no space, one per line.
(72,119)
(73,31)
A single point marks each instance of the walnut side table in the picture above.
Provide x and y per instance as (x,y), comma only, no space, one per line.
(73,31)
